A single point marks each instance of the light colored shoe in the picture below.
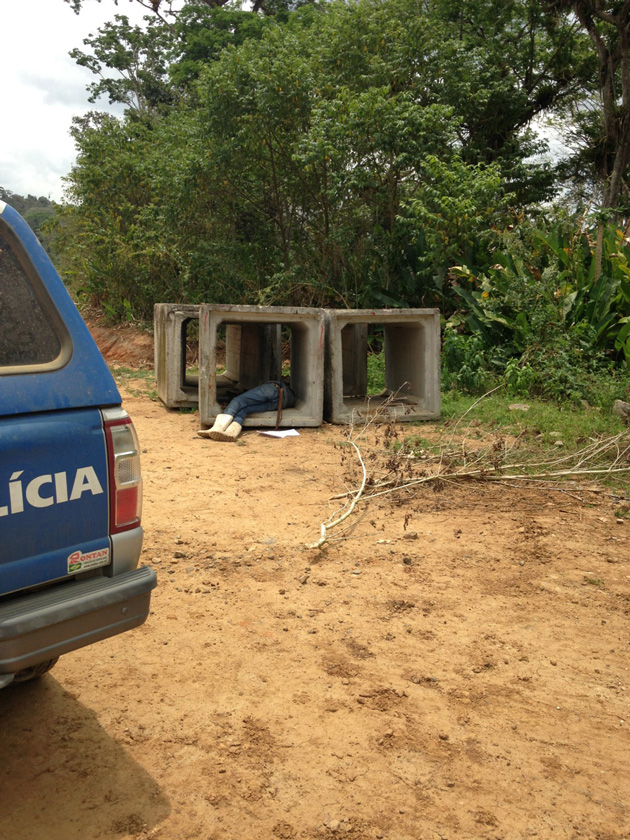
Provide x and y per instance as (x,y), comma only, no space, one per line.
(231,433)
(222,421)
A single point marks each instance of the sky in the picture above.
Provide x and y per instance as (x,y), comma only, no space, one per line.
(42,88)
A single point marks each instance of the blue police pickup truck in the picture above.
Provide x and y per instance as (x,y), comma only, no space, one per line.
(70,480)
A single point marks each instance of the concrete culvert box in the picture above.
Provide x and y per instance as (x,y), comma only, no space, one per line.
(411,349)
(265,334)
(251,352)
(176,385)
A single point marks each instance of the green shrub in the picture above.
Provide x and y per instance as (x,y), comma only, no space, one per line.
(541,319)
(375,372)
(464,363)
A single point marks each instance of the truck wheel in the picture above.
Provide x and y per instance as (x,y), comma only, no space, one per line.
(35,671)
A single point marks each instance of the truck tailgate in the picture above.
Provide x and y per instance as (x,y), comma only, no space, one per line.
(53,497)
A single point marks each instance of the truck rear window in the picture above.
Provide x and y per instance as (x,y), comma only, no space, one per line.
(30,331)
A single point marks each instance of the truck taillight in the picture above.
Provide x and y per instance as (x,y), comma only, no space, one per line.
(125,478)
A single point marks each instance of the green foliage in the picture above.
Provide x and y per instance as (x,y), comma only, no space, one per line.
(139,56)
(353,154)
(203,32)
(600,301)
(375,372)
(541,319)
(543,422)
(501,65)
(458,202)
(603,131)
(565,370)
(464,362)
(341,155)
(38,212)
(23,204)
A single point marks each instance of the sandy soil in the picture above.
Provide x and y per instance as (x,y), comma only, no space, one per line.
(465,676)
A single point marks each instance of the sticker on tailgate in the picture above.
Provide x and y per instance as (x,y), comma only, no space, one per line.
(80,562)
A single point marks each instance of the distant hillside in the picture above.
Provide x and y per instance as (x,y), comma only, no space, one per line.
(36,211)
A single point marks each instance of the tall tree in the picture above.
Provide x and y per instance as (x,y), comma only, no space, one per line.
(607,24)
(139,57)
(497,63)
(502,65)
(349,152)
(309,166)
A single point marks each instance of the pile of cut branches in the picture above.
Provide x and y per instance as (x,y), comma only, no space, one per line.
(389,463)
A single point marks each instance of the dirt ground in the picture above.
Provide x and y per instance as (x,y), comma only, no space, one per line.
(465,677)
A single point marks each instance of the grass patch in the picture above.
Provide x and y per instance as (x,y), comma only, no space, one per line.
(121,373)
(375,373)
(545,422)
(548,422)
(548,442)
(144,378)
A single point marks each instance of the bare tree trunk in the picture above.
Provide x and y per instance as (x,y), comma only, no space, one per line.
(614,71)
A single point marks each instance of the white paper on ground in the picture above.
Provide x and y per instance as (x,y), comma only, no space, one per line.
(282,433)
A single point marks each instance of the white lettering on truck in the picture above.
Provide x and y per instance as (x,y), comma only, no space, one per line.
(46,490)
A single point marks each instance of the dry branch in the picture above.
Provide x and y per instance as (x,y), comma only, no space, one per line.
(331,523)
(396,472)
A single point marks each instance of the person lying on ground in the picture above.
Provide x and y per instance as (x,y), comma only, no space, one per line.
(227,426)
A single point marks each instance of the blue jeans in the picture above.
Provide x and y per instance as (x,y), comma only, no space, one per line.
(262,398)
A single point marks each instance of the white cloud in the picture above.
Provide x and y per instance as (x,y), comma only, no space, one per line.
(42,88)
(68,92)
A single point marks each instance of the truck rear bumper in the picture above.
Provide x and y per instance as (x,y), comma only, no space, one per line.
(46,624)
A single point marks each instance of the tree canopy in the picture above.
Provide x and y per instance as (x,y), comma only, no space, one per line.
(362,153)
(602,120)
(37,210)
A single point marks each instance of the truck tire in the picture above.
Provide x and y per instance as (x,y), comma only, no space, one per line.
(35,671)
